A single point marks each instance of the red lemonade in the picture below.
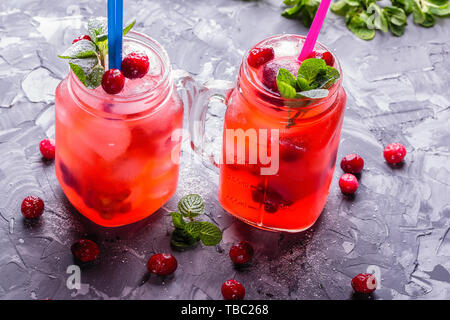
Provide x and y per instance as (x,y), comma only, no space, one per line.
(116,155)
(308,133)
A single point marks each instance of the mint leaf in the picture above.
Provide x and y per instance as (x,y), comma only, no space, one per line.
(340,7)
(326,79)
(191,205)
(303,84)
(181,239)
(97,27)
(177,220)
(94,77)
(83,67)
(310,68)
(79,50)
(210,234)
(356,23)
(287,77)
(303,9)
(286,90)
(377,17)
(314,94)
(193,228)
(128,27)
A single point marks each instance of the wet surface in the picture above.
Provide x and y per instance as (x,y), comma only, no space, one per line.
(397,226)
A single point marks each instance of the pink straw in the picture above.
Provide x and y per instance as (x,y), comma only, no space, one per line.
(313,33)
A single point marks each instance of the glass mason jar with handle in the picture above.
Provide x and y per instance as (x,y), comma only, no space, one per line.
(278,155)
(116,155)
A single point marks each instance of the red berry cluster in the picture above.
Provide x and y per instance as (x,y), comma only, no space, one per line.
(135,65)
(352,164)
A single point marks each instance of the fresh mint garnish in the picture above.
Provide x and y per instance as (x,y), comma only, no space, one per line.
(188,234)
(364,17)
(87,58)
(313,79)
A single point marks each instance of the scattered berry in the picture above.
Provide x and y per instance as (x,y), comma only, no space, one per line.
(348,183)
(352,163)
(394,153)
(135,65)
(85,250)
(162,264)
(364,283)
(270,71)
(241,253)
(233,290)
(259,56)
(84,37)
(113,81)
(47,148)
(32,207)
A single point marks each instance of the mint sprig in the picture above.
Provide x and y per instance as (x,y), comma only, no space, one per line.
(188,234)
(364,17)
(87,58)
(313,79)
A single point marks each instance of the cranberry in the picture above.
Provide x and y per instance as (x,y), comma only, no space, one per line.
(291,148)
(271,199)
(233,290)
(348,183)
(259,56)
(47,148)
(85,250)
(84,37)
(364,283)
(241,253)
(394,153)
(135,65)
(326,56)
(270,71)
(352,163)
(162,264)
(113,81)
(32,207)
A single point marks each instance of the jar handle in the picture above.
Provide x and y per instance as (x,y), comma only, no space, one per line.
(198,98)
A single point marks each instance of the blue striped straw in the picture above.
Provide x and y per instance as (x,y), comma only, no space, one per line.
(115,25)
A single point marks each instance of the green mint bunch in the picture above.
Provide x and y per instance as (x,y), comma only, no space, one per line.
(303,9)
(189,233)
(313,79)
(87,57)
(364,17)
(424,11)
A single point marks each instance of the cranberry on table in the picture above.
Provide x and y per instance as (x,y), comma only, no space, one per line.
(364,283)
(135,65)
(241,252)
(394,153)
(32,207)
(233,290)
(85,250)
(113,81)
(162,264)
(259,56)
(348,183)
(352,163)
(83,37)
(47,148)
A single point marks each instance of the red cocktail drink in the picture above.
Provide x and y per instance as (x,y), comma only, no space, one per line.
(306,132)
(116,155)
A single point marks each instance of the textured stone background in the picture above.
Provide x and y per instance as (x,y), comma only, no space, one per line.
(398,225)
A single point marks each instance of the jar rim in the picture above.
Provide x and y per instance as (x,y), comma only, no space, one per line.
(147,42)
(284,102)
